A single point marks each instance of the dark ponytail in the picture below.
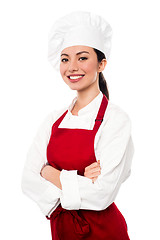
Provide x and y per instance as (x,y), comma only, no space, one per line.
(102,80)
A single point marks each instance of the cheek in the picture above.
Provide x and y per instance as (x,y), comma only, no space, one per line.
(62,69)
(90,67)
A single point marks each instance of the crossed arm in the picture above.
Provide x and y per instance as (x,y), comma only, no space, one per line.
(51,187)
(52,175)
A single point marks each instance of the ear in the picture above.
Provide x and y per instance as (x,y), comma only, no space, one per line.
(102,65)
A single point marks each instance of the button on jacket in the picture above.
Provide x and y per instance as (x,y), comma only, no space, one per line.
(113,146)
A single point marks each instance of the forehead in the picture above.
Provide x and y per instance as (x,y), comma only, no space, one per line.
(77,48)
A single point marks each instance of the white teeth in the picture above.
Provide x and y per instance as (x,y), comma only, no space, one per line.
(75,77)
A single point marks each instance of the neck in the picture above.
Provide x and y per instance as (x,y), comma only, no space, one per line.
(85,97)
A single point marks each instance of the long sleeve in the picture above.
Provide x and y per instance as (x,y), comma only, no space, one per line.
(44,193)
(116,151)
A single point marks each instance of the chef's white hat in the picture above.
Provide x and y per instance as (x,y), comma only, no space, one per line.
(78,28)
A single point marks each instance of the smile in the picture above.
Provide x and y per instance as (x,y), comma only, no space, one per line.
(75,78)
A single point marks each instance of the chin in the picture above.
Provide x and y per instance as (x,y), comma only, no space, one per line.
(79,88)
(75,88)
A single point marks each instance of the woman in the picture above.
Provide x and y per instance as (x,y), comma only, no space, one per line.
(82,154)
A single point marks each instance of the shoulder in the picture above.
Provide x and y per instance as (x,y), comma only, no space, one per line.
(48,121)
(55,114)
(115,112)
(116,126)
(116,118)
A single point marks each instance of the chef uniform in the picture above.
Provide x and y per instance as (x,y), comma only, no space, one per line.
(82,209)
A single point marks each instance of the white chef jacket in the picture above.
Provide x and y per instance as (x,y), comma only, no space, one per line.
(113,146)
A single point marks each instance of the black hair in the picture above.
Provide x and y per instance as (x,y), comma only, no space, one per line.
(102,81)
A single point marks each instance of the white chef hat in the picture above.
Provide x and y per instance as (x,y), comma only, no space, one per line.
(78,28)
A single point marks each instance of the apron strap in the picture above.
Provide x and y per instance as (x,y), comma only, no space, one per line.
(59,120)
(100,114)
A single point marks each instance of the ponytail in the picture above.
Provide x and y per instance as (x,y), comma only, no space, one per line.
(102,81)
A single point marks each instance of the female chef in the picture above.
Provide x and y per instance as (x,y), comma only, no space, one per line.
(81,154)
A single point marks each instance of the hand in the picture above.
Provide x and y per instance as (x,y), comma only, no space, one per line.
(93,171)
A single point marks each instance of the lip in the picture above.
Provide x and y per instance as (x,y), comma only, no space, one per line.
(76,75)
(75,80)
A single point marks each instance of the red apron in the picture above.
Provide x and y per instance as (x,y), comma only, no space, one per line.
(73,149)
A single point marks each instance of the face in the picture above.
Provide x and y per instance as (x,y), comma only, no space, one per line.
(79,67)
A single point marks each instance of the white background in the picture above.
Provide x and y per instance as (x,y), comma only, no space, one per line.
(30,89)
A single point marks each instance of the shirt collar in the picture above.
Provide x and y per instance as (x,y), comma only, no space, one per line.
(92,106)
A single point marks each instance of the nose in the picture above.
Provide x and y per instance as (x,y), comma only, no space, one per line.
(73,66)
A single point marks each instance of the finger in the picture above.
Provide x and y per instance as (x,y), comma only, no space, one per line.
(95,164)
(96,174)
(92,175)
(96,169)
(90,166)
(92,170)
(94,179)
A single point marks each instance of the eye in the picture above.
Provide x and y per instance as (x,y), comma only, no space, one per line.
(83,58)
(64,60)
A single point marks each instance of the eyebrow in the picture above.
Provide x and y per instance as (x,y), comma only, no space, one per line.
(76,53)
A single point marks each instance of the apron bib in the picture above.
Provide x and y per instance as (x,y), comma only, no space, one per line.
(73,149)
